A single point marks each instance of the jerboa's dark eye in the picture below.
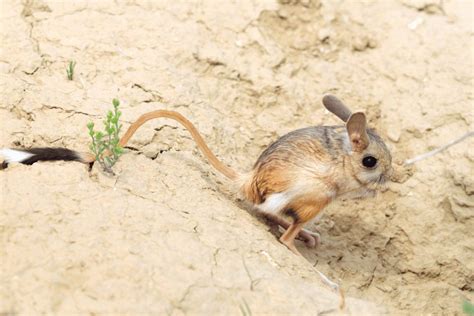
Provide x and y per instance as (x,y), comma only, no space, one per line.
(369,161)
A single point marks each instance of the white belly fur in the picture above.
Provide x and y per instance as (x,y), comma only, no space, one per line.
(275,202)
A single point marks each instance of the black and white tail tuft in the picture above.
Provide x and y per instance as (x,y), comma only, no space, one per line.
(32,155)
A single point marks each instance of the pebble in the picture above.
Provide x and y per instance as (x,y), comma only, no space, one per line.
(394,134)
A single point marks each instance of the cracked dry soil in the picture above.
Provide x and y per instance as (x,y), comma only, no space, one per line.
(165,235)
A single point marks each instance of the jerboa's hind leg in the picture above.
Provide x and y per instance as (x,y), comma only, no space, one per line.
(311,239)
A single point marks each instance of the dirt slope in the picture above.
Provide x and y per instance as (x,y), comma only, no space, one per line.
(166,235)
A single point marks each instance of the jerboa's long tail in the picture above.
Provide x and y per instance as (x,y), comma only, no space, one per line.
(30,156)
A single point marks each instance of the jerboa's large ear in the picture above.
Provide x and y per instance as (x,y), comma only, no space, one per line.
(335,106)
(357,130)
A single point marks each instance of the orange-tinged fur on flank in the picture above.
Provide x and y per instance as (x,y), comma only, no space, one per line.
(272,179)
(289,165)
(301,169)
(308,207)
(310,194)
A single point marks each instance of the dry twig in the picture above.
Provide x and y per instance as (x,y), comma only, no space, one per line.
(437,150)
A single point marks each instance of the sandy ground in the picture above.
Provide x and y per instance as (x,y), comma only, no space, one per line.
(165,235)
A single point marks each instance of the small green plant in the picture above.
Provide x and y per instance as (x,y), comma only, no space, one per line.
(468,308)
(70,70)
(105,145)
